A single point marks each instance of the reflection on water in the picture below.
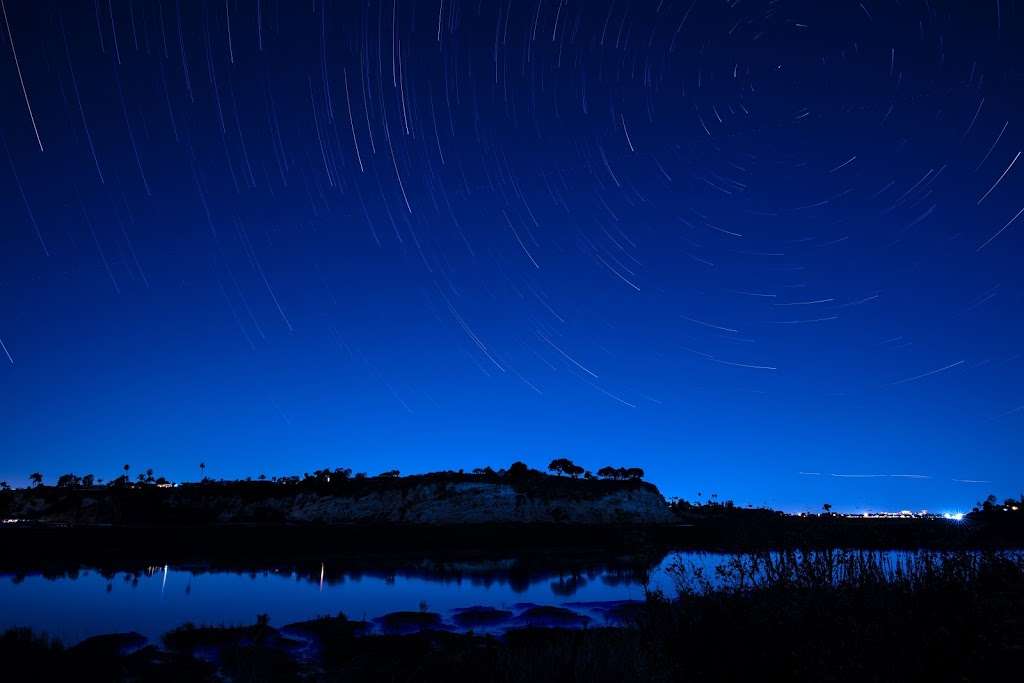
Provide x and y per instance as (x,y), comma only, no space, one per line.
(74,602)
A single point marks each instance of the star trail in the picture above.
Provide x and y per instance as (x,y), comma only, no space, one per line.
(737,243)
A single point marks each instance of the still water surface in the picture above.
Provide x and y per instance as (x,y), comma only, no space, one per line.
(74,604)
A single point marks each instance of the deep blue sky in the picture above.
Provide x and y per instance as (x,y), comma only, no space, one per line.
(748,246)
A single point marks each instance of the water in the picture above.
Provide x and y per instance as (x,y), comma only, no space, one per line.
(74,603)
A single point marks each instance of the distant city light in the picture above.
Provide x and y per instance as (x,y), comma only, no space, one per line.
(900,514)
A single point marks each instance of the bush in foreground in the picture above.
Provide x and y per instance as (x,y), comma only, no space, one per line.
(816,616)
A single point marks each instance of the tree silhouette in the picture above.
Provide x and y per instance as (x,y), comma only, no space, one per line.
(202,471)
(36,478)
(610,472)
(88,480)
(827,507)
(4,486)
(325,475)
(517,469)
(125,477)
(68,481)
(565,466)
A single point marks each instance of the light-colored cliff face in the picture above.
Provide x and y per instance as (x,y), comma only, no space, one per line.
(477,503)
(428,503)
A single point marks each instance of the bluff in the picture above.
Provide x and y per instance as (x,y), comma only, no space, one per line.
(434,499)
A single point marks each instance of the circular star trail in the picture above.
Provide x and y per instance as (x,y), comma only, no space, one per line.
(769,249)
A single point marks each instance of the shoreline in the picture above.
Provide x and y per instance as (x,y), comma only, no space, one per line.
(240,542)
(801,620)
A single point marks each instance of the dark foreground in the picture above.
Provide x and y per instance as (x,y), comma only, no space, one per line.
(706,529)
(831,615)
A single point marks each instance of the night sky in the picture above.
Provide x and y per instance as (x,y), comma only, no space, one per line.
(768,250)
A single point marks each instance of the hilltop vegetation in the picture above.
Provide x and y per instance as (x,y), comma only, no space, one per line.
(341,480)
(337,496)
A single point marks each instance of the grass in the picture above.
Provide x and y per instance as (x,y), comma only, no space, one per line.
(845,615)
